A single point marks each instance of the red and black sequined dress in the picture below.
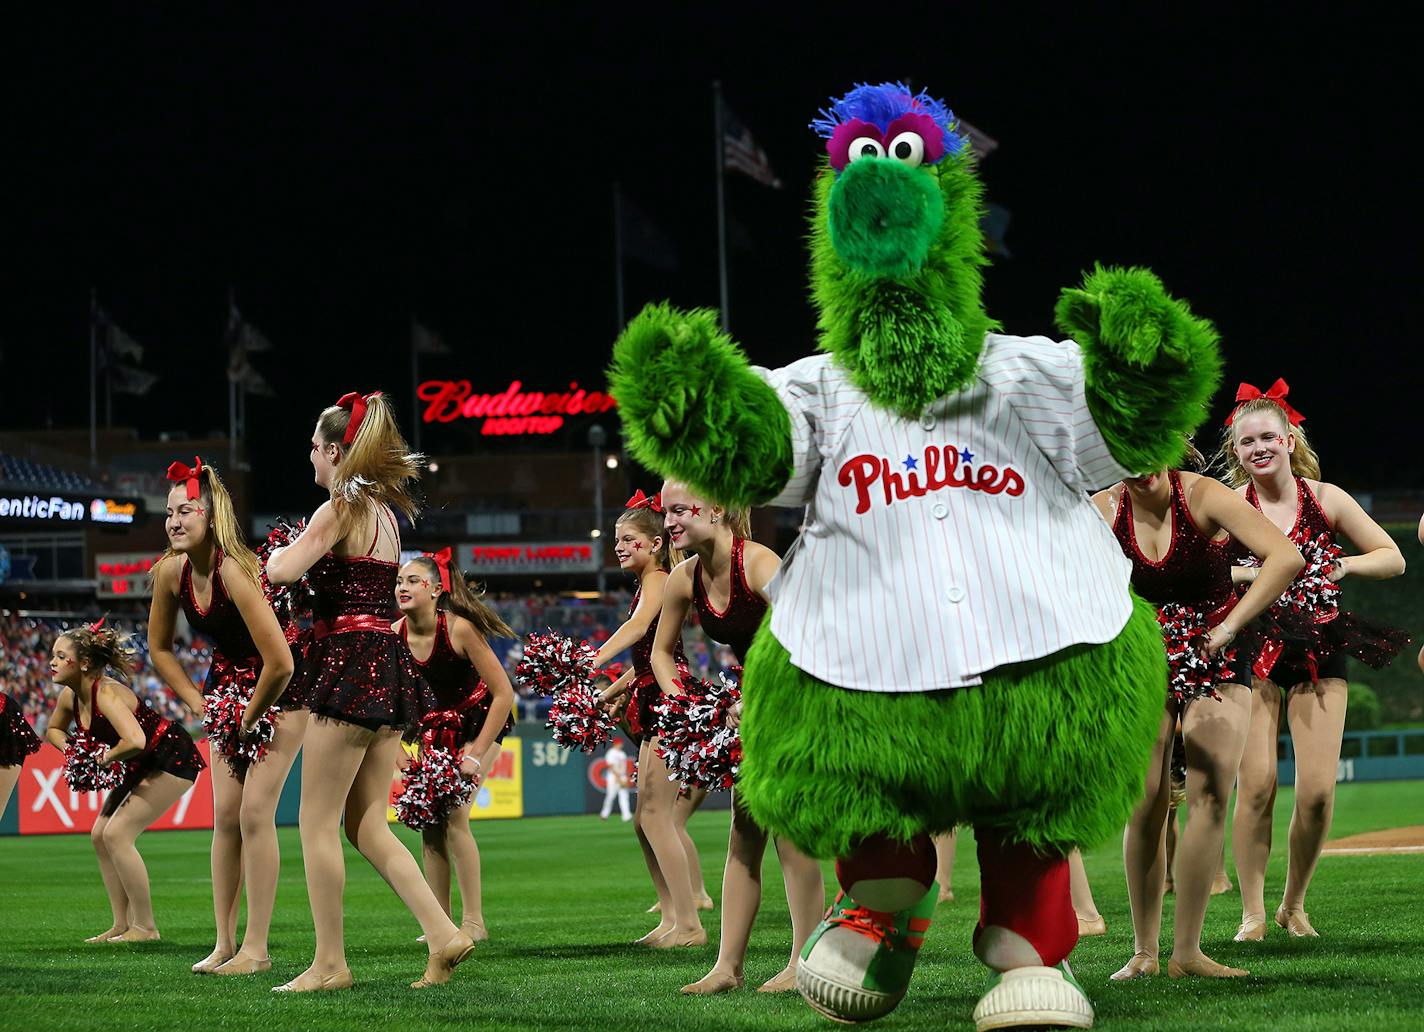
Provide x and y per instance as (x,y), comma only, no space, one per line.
(1194,574)
(235,655)
(736,625)
(642,721)
(1296,650)
(356,669)
(167,747)
(17,738)
(462,700)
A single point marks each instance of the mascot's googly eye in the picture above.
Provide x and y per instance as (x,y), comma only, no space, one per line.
(908,148)
(865,147)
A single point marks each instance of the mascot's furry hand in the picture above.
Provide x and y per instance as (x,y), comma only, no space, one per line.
(1150,365)
(693,409)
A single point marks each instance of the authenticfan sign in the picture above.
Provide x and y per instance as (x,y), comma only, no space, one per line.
(511,412)
(520,557)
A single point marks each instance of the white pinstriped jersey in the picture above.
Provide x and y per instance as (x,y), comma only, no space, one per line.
(940,547)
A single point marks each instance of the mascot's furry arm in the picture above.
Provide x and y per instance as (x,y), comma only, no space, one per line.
(693,409)
(1150,365)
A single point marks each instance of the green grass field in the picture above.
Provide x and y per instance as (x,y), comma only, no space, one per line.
(565,895)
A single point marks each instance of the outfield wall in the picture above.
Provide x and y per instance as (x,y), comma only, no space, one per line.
(532,777)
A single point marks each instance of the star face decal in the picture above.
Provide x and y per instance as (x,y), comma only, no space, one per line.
(911,462)
(696,511)
(966,456)
(637,546)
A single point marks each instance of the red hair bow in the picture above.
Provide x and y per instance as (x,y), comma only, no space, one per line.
(99,623)
(356,403)
(180,472)
(642,501)
(442,563)
(1277,393)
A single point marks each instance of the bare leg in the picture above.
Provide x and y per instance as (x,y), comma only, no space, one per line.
(1171,846)
(113,885)
(1317,721)
(1090,922)
(226,864)
(1144,857)
(1255,803)
(806,899)
(683,809)
(944,864)
(8,777)
(663,907)
(741,898)
(154,795)
(261,855)
(370,832)
(1215,733)
(657,797)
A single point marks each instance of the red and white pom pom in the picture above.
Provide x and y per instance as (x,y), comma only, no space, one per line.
(433,787)
(1312,597)
(554,663)
(694,739)
(287,600)
(222,716)
(83,771)
(577,719)
(1190,675)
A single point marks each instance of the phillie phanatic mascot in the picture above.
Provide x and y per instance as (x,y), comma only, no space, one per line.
(952,639)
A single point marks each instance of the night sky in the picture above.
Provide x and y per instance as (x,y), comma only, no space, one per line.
(346,168)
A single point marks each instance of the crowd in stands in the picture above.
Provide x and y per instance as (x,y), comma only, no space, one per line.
(25,644)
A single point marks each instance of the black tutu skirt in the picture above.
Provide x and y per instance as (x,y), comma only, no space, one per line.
(17,739)
(172,753)
(1289,648)
(365,678)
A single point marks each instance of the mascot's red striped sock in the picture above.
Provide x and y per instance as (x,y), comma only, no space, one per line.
(1025,893)
(885,875)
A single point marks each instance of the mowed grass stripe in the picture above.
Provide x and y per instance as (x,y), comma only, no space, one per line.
(565,896)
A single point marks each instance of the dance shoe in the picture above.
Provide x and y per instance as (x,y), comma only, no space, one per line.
(307,982)
(441,966)
(1296,922)
(857,964)
(1033,997)
(243,966)
(1097,926)
(211,962)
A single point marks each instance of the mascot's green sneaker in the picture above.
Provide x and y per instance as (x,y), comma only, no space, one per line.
(1034,997)
(857,964)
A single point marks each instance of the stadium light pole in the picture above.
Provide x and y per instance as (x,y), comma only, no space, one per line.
(597,438)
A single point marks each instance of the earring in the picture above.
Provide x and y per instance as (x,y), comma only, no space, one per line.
(714,519)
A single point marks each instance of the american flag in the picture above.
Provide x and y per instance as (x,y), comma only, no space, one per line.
(741,153)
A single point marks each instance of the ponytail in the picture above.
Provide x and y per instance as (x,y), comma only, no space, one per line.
(103,648)
(222,524)
(462,600)
(377,464)
(739,521)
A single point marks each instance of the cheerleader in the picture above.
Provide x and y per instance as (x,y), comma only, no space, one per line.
(1268,459)
(211,575)
(447,623)
(160,763)
(17,741)
(725,581)
(661,813)
(1174,527)
(359,682)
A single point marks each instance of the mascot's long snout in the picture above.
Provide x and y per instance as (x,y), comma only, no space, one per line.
(884,216)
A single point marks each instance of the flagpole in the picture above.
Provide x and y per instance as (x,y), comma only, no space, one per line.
(93,378)
(231,385)
(721,207)
(618,253)
(414,390)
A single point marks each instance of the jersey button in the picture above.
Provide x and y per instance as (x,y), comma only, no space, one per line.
(927,421)
(940,510)
(954,593)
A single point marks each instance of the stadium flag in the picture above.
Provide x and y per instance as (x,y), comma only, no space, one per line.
(113,346)
(982,142)
(425,341)
(640,238)
(242,339)
(741,153)
(116,341)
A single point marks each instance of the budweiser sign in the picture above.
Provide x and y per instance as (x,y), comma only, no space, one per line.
(511,411)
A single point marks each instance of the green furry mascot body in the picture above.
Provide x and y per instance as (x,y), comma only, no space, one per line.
(952,639)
